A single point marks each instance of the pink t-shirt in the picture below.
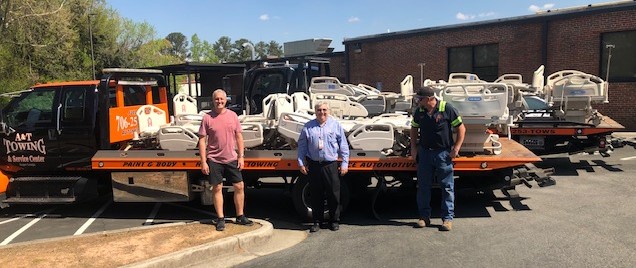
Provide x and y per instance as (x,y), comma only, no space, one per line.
(221,131)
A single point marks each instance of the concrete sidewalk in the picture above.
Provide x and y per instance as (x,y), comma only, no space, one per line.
(231,250)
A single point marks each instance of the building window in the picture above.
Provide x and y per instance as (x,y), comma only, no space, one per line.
(623,61)
(482,60)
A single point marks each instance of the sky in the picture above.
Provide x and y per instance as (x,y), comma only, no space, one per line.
(285,21)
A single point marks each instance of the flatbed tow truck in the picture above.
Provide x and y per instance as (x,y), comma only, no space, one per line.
(89,135)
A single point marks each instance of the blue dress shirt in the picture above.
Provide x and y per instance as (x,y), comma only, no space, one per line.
(333,139)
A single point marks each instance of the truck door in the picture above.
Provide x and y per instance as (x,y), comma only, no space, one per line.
(32,146)
(76,136)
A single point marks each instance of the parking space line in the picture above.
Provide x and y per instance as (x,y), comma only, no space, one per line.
(22,217)
(92,219)
(628,158)
(24,228)
(153,214)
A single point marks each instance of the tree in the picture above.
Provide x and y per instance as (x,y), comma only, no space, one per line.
(151,54)
(240,53)
(274,49)
(202,51)
(179,44)
(223,48)
(261,50)
(40,37)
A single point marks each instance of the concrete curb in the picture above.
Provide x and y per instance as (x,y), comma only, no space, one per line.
(233,244)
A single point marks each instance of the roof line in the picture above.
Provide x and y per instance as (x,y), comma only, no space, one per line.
(537,17)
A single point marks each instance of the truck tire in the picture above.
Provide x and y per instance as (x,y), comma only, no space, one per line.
(302,203)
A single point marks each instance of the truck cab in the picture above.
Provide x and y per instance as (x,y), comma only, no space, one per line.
(51,131)
(43,125)
(287,75)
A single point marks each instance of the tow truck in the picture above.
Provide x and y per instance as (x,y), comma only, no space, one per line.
(72,141)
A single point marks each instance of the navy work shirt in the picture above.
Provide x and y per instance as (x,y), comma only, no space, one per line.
(436,129)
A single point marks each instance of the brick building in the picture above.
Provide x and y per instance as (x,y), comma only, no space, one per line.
(573,38)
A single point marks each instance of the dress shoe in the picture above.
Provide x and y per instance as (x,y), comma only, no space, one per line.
(314,228)
(334,226)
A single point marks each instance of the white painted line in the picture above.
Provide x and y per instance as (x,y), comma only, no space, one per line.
(153,214)
(628,158)
(90,221)
(10,220)
(193,209)
(22,217)
(24,228)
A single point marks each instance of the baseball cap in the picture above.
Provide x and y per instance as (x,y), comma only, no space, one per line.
(425,92)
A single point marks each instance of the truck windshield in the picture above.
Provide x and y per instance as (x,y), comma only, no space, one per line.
(30,108)
(269,83)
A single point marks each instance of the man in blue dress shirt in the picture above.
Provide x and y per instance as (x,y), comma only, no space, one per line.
(321,142)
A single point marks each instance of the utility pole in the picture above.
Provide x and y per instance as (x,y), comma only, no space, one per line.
(90,32)
(421,73)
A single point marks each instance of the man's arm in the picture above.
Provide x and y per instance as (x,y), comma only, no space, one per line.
(413,133)
(202,152)
(343,149)
(461,133)
(302,150)
(459,126)
(241,150)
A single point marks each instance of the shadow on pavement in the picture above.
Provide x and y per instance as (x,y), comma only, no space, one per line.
(563,166)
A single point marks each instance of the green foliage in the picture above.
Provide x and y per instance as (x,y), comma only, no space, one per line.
(240,53)
(50,40)
(223,49)
(202,51)
(179,45)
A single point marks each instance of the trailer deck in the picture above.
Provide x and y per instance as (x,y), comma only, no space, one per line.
(513,155)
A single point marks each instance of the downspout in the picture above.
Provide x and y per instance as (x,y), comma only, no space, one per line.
(544,43)
(346,59)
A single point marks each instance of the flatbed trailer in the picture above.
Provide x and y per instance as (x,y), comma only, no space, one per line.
(544,134)
(145,175)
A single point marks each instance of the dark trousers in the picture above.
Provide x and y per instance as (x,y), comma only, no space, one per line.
(324,181)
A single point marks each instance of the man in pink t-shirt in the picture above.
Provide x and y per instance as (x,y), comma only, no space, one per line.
(219,134)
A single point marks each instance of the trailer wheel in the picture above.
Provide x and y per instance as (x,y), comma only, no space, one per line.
(302,201)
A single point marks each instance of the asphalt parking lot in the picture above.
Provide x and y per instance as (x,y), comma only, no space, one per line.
(585,219)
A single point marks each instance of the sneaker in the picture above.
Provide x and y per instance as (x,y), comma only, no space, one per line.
(242,220)
(334,226)
(314,228)
(446,225)
(423,222)
(220,224)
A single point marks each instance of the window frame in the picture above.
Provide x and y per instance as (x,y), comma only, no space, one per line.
(603,51)
(474,67)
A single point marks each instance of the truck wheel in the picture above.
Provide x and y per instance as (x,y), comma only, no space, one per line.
(302,201)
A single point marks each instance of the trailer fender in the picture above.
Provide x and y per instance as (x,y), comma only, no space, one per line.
(301,198)
(4,182)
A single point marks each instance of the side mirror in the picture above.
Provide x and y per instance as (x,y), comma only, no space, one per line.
(6,129)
